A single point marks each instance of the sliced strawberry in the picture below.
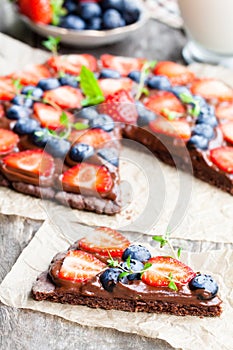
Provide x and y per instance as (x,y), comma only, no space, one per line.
(110,86)
(2,112)
(79,266)
(176,128)
(49,116)
(123,65)
(31,74)
(224,111)
(87,178)
(93,137)
(64,97)
(72,64)
(227,130)
(31,162)
(8,141)
(164,101)
(212,89)
(223,158)
(7,89)
(105,241)
(164,266)
(176,73)
(121,107)
(39,11)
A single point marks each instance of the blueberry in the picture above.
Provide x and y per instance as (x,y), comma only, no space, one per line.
(112,19)
(204,130)
(81,151)
(87,113)
(207,109)
(159,82)
(145,116)
(16,112)
(206,283)
(109,278)
(89,10)
(136,252)
(94,23)
(135,75)
(72,22)
(198,142)
(109,73)
(178,90)
(32,91)
(202,102)
(40,137)
(102,121)
(110,155)
(69,80)
(207,119)
(25,126)
(22,101)
(113,4)
(135,266)
(48,84)
(57,147)
(71,5)
(131,12)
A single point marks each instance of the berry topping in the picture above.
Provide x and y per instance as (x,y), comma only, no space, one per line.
(102,121)
(64,97)
(225,111)
(109,278)
(72,64)
(110,155)
(164,267)
(176,73)
(133,266)
(159,82)
(32,91)
(223,158)
(79,266)
(31,74)
(112,19)
(16,112)
(7,89)
(204,130)
(88,178)
(69,80)
(164,101)
(40,137)
(25,126)
(227,130)
(87,113)
(209,119)
(104,241)
(198,141)
(212,89)
(110,86)
(31,162)
(177,128)
(121,107)
(208,287)
(48,84)
(178,90)
(135,75)
(145,116)
(57,147)
(137,252)
(109,73)
(94,137)
(81,151)
(124,65)
(49,116)
(8,141)
(20,100)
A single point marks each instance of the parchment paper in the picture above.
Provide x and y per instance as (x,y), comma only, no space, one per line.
(181,332)
(206,215)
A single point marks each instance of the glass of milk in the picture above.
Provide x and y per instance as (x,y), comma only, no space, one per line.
(209,27)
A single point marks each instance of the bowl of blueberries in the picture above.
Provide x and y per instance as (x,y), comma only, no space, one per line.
(92,23)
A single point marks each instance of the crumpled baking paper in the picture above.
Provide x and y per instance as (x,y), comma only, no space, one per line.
(150,189)
(181,332)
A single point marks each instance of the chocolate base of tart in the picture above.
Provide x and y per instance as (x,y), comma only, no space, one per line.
(32,190)
(44,289)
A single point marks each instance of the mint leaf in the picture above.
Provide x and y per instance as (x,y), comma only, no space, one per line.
(64,120)
(80,126)
(90,88)
(161,240)
(52,44)
(179,252)
(128,262)
(123,274)
(17,84)
(58,11)
(171,115)
(92,101)
(172,286)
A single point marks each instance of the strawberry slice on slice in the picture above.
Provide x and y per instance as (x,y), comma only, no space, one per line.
(164,101)
(49,116)
(227,130)
(79,266)
(64,97)
(123,65)
(31,74)
(121,107)
(87,178)
(164,266)
(93,137)
(105,241)
(176,128)
(175,72)
(72,64)
(111,86)
(7,89)
(31,162)
(222,157)
(224,111)
(8,141)
(212,89)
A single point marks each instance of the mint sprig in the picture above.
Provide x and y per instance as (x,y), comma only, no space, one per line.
(52,44)
(189,99)
(146,69)
(165,240)
(90,88)
(172,284)
(171,115)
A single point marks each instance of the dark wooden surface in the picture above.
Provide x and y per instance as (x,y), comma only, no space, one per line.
(23,329)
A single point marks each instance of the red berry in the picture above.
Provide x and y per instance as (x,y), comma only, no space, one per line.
(222,157)
(212,89)
(8,141)
(123,65)
(176,73)
(64,97)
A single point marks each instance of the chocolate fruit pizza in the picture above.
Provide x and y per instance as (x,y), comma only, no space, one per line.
(105,270)
(61,124)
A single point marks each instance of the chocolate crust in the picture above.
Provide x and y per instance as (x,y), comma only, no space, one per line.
(43,289)
(35,191)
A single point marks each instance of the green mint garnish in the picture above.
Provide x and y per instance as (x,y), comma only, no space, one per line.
(17,84)
(144,74)
(171,115)
(189,99)
(165,240)
(90,88)
(64,120)
(80,126)
(58,11)
(172,285)
(52,44)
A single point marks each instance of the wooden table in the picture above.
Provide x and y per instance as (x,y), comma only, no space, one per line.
(24,329)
